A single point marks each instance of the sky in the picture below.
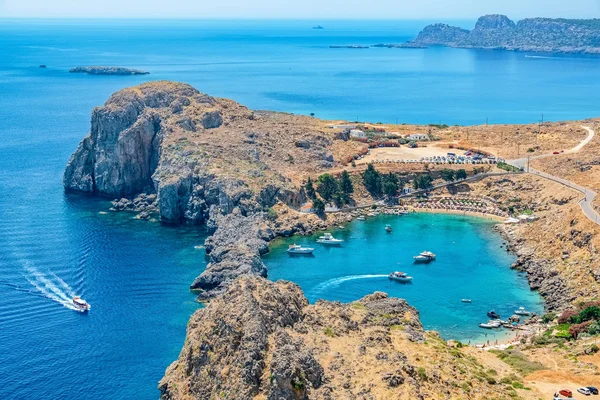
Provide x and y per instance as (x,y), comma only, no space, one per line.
(299,9)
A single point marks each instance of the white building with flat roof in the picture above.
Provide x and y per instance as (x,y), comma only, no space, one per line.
(357,133)
(417,136)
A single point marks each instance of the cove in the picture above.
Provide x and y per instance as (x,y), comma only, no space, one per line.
(470,264)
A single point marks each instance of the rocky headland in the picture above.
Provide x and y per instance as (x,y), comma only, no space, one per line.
(532,34)
(99,70)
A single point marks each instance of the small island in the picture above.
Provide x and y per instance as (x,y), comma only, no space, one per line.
(408,45)
(318,27)
(96,70)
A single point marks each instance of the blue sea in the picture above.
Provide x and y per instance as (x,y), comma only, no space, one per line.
(136,274)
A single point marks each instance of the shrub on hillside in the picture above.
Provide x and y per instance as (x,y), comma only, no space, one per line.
(566,316)
(577,329)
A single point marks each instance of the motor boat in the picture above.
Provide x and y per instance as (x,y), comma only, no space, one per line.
(490,325)
(328,239)
(360,218)
(400,277)
(80,304)
(424,257)
(493,314)
(388,228)
(466,300)
(297,249)
(522,311)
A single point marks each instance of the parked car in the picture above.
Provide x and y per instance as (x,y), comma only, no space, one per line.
(592,390)
(584,390)
(556,152)
(566,393)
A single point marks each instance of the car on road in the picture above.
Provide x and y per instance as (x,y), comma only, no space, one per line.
(584,390)
(592,389)
(556,152)
(565,392)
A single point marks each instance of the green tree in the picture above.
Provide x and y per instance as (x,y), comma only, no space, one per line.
(345,184)
(318,207)
(423,181)
(372,180)
(390,184)
(461,174)
(447,175)
(327,186)
(310,189)
(339,200)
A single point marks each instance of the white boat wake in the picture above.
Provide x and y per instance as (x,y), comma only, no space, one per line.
(338,281)
(51,287)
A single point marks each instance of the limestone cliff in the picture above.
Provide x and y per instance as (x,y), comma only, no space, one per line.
(531,34)
(262,340)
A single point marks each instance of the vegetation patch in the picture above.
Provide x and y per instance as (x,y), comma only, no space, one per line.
(518,361)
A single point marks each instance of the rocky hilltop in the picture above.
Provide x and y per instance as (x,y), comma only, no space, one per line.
(192,158)
(108,71)
(262,339)
(531,34)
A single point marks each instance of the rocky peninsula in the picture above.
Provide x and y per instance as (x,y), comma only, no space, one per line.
(532,34)
(97,70)
(165,150)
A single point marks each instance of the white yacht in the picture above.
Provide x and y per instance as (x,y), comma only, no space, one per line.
(297,249)
(522,311)
(328,239)
(424,257)
(400,277)
(81,304)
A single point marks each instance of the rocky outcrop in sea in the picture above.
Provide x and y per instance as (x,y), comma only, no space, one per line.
(531,34)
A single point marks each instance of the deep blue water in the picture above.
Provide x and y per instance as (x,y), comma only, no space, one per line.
(470,264)
(136,274)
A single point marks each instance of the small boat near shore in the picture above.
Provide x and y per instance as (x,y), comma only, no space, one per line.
(400,277)
(361,218)
(388,228)
(80,304)
(493,314)
(329,240)
(297,249)
(466,300)
(522,311)
(490,325)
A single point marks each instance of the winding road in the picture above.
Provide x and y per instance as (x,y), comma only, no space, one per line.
(586,203)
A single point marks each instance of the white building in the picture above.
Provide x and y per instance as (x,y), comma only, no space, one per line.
(417,137)
(357,133)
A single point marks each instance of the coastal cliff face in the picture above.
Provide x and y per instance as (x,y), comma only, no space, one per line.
(532,34)
(262,339)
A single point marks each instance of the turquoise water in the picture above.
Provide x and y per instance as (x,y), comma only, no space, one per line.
(470,264)
(135,274)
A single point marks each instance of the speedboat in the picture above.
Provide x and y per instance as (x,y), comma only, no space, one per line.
(428,254)
(297,249)
(360,218)
(388,228)
(522,311)
(80,304)
(466,300)
(328,239)
(400,277)
(493,314)
(490,325)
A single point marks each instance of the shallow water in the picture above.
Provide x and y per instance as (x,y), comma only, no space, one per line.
(470,264)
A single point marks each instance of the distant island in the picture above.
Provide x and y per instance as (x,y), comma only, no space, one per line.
(318,27)
(108,71)
(409,45)
(532,34)
(350,46)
